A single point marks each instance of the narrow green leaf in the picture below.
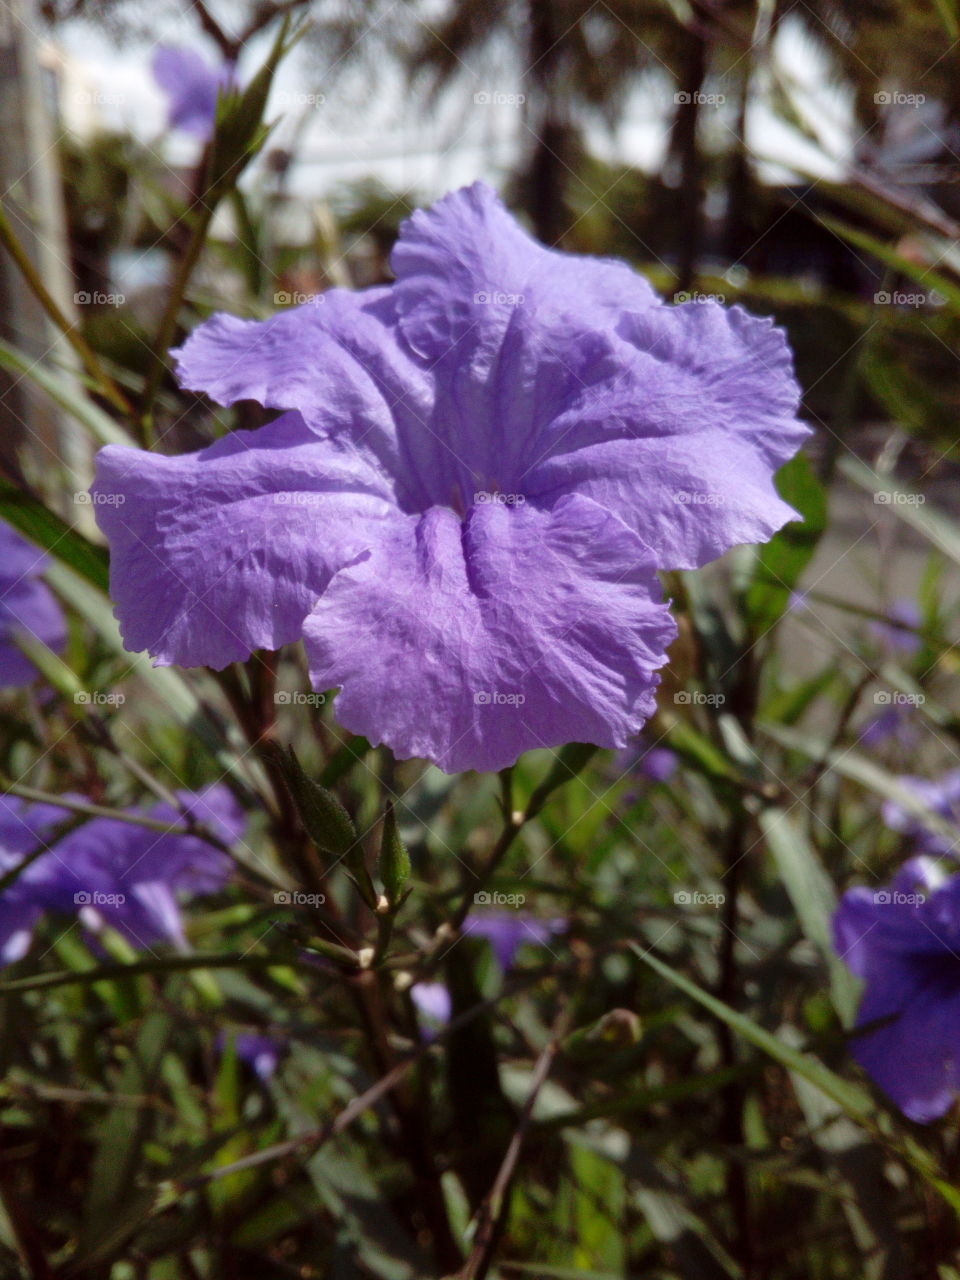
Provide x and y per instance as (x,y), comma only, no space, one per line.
(855,1102)
(52,533)
(814,900)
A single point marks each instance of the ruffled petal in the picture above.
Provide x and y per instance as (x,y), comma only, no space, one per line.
(509,329)
(679,429)
(469,643)
(220,552)
(338,363)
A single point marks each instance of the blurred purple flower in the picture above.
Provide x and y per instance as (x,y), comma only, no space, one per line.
(904,941)
(898,722)
(942,797)
(191,85)
(659,764)
(261,1053)
(904,619)
(508,931)
(111,872)
(26,606)
(433,1002)
(481,469)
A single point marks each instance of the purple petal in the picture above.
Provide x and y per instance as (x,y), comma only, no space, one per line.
(433,1001)
(508,931)
(470,643)
(694,409)
(217,553)
(192,86)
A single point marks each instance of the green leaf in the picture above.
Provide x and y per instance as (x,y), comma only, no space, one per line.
(62,390)
(570,761)
(53,534)
(111,1188)
(782,560)
(855,1102)
(814,900)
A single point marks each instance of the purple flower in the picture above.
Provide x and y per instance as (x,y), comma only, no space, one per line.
(464,508)
(261,1053)
(899,631)
(904,941)
(896,722)
(192,86)
(26,607)
(942,798)
(508,931)
(111,872)
(659,764)
(433,1002)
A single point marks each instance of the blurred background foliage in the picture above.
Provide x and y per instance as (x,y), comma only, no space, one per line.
(664,1089)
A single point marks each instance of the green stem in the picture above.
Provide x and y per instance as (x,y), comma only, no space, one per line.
(70,331)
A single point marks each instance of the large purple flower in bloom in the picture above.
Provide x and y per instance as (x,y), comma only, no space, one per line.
(109,871)
(462,510)
(904,941)
(941,797)
(191,85)
(26,607)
